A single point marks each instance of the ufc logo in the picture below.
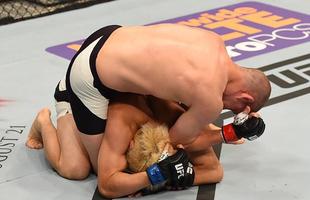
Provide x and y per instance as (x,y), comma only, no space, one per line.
(180,170)
(190,168)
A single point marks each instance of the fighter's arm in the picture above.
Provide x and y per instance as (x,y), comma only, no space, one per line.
(112,181)
(165,111)
(209,136)
(168,112)
(192,122)
(207,166)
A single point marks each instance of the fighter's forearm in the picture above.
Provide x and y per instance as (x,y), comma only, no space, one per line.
(207,166)
(185,130)
(175,117)
(210,136)
(121,184)
(190,125)
(164,111)
(207,176)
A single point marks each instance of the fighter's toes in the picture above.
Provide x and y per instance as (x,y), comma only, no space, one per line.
(34,144)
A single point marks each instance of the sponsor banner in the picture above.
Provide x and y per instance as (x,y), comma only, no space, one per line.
(248,29)
(66,50)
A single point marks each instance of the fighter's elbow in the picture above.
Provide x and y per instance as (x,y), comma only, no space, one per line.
(178,139)
(181,143)
(173,136)
(106,190)
(220,174)
(211,175)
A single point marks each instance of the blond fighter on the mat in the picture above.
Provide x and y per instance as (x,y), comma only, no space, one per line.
(67,155)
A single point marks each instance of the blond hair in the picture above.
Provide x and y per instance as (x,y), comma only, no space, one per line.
(149,143)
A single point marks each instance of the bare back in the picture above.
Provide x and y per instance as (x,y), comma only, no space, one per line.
(171,62)
(159,60)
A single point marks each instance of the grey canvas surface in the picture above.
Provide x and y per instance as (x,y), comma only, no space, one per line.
(275,166)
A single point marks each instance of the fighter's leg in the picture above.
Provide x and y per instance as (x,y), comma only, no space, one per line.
(73,160)
(92,145)
(62,146)
(88,98)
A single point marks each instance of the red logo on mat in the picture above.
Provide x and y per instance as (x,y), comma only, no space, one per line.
(3,101)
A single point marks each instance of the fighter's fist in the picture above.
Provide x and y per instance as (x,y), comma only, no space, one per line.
(175,170)
(244,126)
(182,172)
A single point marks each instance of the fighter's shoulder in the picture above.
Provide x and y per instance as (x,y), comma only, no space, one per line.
(208,94)
(198,31)
(211,38)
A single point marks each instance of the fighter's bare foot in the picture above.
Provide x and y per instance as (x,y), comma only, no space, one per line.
(34,140)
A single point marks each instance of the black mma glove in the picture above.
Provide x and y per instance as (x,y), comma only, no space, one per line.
(243,127)
(182,174)
(175,170)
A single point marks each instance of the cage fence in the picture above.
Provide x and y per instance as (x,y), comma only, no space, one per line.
(17,10)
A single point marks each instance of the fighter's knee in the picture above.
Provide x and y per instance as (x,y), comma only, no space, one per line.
(74,170)
(77,174)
